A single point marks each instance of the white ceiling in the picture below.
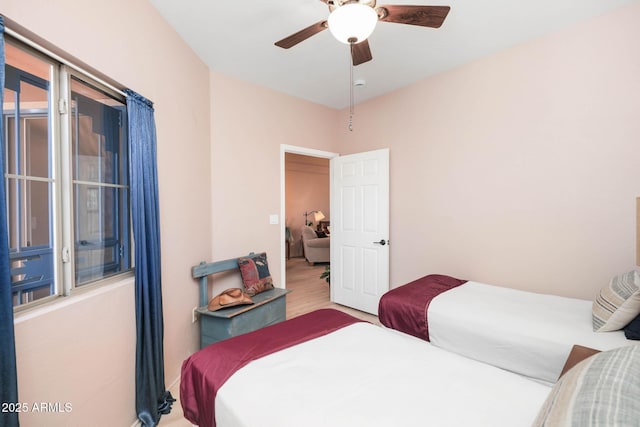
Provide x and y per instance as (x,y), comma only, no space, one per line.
(236,38)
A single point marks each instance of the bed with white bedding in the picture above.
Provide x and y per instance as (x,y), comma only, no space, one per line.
(327,368)
(524,332)
(527,333)
(353,374)
(375,379)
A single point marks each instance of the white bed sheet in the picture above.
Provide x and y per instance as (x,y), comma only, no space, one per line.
(365,375)
(523,332)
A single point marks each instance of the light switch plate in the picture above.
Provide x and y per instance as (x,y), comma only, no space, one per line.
(273,219)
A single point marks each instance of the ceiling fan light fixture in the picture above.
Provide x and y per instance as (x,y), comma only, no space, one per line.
(352,21)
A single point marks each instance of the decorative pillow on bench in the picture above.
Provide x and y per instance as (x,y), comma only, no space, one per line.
(255,273)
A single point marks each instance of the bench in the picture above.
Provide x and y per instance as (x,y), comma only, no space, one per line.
(269,307)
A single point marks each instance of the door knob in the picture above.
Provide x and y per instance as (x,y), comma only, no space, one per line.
(381,242)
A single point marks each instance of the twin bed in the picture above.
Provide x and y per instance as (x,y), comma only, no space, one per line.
(348,373)
(327,368)
(523,332)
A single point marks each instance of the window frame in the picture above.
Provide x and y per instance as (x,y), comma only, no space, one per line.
(61,217)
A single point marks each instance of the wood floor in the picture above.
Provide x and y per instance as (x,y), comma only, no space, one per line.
(309,293)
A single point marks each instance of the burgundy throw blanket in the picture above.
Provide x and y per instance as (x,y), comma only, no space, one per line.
(405,308)
(207,370)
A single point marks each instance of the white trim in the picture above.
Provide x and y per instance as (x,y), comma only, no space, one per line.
(306,151)
(64,211)
(284,148)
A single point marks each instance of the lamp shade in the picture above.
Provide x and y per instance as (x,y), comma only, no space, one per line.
(318,216)
(352,21)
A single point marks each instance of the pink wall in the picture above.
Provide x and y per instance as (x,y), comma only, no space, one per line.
(248,126)
(82,350)
(520,169)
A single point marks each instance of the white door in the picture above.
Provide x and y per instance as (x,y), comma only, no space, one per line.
(360,229)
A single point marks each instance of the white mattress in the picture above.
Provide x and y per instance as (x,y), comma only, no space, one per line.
(365,375)
(524,332)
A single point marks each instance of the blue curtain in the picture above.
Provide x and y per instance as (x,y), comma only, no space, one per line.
(152,400)
(8,376)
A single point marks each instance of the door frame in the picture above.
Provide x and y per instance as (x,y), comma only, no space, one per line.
(284,148)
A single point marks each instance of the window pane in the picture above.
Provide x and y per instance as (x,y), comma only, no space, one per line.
(28,153)
(28,136)
(102,240)
(100,172)
(29,209)
(99,141)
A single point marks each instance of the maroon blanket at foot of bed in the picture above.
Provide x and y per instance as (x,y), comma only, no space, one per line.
(405,308)
(207,370)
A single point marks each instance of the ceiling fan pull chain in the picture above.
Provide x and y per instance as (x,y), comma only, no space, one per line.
(351,107)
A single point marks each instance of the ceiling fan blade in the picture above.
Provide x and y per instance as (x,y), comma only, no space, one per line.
(302,35)
(361,53)
(424,16)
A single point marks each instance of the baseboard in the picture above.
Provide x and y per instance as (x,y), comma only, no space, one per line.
(173,384)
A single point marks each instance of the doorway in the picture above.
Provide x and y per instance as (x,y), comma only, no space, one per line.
(292,214)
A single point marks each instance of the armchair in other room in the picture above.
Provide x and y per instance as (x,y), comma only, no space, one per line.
(316,249)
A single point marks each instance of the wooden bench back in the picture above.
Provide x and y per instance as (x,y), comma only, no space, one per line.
(204,269)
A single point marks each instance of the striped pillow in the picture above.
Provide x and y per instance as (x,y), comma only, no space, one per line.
(600,391)
(618,303)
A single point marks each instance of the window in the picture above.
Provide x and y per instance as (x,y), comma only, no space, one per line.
(100,176)
(66,172)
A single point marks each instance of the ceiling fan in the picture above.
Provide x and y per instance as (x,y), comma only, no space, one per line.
(353,21)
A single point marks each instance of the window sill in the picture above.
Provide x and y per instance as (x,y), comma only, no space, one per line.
(78,297)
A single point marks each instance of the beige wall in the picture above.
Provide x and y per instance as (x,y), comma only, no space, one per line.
(82,351)
(520,169)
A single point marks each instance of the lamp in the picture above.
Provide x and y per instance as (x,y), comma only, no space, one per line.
(317,216)
(352,22)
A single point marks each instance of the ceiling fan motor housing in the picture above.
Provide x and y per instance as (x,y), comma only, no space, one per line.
(334,4)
